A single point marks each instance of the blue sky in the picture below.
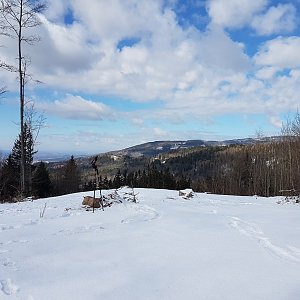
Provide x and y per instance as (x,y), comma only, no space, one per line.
(122,72)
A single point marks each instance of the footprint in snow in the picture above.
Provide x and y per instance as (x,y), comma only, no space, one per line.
(16,242)
(8,227)
(31,222)
(144,214)
(70,214)
(66,214)
(8,287)
(6,262)
(253,231)
(82,229)
(295,251)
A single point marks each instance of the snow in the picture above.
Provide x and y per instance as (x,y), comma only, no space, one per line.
(163,247)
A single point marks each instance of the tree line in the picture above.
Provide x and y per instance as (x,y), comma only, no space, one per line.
(265,169)
(39,181)
(152,176)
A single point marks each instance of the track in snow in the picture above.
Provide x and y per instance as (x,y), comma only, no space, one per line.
(253,231)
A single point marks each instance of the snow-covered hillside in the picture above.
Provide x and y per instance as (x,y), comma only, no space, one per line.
(164,247)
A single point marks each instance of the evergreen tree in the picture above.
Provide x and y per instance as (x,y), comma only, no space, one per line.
(71,178)
(118,180)
(29,153)
(41,183)
(106,183)
(89,186)
(9,180)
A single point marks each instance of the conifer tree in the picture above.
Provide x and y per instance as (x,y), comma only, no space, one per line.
(41,183)
(9,180)
(118,180)
(106,184)
(29,153)
(71,178)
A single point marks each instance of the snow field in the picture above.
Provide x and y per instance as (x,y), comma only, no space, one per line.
(163,247)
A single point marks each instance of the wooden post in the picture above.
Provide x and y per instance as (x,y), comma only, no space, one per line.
(97,182)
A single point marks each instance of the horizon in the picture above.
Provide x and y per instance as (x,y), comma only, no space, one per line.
(125,73)
(78,154)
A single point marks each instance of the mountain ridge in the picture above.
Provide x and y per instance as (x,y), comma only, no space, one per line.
(154,148)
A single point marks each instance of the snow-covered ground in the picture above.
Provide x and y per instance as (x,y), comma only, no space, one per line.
(164,247)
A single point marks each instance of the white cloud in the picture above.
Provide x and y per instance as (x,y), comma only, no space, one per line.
(84,56)
(222,94)
(280,52)
(216,49)
(266,73)
(194,74)
(159,133)
(77,108)
(277,19)
(275,121)
(113,20)
(63,49)
(56,9)
(234,13)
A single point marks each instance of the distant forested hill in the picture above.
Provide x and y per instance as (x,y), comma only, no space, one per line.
(256,167)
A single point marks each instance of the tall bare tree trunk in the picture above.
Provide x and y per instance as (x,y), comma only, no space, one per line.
(16,15)
(22,103)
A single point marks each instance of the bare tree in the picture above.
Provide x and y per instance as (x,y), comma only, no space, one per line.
(5,67)
(295,127)
(35,121)
(15,17)
(2,90)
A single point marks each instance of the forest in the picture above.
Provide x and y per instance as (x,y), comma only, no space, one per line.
(265,169)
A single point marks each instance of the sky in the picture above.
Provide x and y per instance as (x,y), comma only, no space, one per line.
(118,73)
